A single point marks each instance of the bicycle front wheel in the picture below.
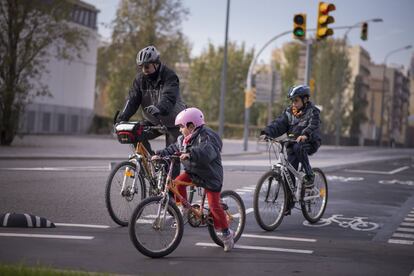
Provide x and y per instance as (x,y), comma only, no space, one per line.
(313,203)
(235,212)
(121,203)
(270,201)
(156,228)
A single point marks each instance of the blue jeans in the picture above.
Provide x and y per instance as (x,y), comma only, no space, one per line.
(298,152)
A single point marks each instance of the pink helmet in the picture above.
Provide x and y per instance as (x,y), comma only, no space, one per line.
(190,115)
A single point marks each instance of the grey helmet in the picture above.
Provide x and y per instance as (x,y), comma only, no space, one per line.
(148,55)
(299,91)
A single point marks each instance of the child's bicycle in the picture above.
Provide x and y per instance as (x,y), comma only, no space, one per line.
(156,226)
(133,180)
(276,192)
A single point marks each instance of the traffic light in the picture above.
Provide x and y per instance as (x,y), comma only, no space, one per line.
(299,26)
(250,97)
(364,31)
(324,19)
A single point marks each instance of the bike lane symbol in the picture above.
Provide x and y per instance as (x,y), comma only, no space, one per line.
(355,223)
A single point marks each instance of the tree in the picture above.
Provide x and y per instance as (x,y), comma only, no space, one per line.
(31,31)
(140,23)
(204,82)
(332,75)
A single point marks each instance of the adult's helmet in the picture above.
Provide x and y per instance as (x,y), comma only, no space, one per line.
(190,115)
(148,55)
(299,91)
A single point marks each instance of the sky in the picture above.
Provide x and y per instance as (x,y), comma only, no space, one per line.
(254,23)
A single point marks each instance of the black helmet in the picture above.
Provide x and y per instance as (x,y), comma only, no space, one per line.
(148,55)
(299,91)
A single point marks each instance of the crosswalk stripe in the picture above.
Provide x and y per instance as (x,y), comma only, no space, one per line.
(409,219)
(278,238)
(47,236)
(407,224)
(274,249)
(402,235)
(403,229)
(400,241)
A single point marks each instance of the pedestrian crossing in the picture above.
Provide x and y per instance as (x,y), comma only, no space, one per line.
(405,232)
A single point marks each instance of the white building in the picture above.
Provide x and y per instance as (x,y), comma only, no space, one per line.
(72,85)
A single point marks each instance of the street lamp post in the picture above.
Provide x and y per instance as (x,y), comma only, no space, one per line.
(383,88)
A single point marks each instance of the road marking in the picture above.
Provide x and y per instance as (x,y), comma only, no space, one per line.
(82,225)
(274,249)
(380,172)
(243,190)
(278,238)
(407,224)
(409,219)
(402,235)
(249,210)
(402,229)
(410,215)
(47,236)
(400,241)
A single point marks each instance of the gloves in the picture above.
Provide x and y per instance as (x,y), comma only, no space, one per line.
(153,110)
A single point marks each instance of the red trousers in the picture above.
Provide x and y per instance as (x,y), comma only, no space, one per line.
(213,198)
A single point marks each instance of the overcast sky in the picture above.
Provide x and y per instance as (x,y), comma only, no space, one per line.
(256,22)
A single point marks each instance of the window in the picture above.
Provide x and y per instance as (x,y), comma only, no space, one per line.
(74,123)
(46,121)
(61,123)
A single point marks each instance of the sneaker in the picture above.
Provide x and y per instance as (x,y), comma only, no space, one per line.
(308,181)
(228,241)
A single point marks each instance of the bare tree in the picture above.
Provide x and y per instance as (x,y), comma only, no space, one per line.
(31,31)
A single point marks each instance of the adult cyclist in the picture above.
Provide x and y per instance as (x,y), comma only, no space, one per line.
(156,89)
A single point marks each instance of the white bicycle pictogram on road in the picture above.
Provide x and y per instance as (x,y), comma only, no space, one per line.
(355,223)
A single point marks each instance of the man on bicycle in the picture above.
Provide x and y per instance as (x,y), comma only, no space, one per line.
(301,121)
(156,89)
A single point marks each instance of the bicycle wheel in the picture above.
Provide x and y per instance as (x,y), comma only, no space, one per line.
(154,230)
(120,204)
(313,203)
(235,211)
(270,201)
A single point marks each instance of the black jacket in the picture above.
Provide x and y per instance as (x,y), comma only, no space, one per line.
(307,124)
(163,92)
(204,166)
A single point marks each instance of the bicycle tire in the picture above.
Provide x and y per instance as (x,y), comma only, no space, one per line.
(234,203)
(113,198)
(143,223)
(322,187)
(269,213)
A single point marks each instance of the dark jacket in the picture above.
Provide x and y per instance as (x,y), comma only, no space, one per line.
(307,124)
(163,92)
(204,166)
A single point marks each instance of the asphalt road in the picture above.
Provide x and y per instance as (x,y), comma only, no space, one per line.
(73,192)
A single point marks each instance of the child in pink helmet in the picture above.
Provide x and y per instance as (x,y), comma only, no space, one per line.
(201,157)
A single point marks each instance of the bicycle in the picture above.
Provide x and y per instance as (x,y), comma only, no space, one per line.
(156,226)
(276,192)
(131,181)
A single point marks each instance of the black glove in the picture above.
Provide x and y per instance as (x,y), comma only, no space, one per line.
(153,110)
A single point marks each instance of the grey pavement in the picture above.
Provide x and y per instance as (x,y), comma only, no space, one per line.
(106,147)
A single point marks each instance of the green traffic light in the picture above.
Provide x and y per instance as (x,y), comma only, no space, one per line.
(299,32)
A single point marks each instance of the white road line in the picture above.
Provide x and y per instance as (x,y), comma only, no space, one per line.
(407,224)
(402,235)
(401,241)
(243,190)
(402,229)
(380,172)
(278,238)
(241,193)
(249,210)
(409,219)
(410,215)
(250,188)
(100,168)
(275,249)
(47,236)
(82,225)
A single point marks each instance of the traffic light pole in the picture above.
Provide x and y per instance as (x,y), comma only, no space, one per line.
(308,65)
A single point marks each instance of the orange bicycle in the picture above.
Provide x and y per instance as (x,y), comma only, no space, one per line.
(132,180)
(156,226)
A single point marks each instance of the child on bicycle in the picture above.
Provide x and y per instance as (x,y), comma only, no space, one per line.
(301,121)
(200,149)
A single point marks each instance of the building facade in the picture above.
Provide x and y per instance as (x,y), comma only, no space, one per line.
(69,110)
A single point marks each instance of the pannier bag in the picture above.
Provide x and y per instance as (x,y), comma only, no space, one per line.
(129,132)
